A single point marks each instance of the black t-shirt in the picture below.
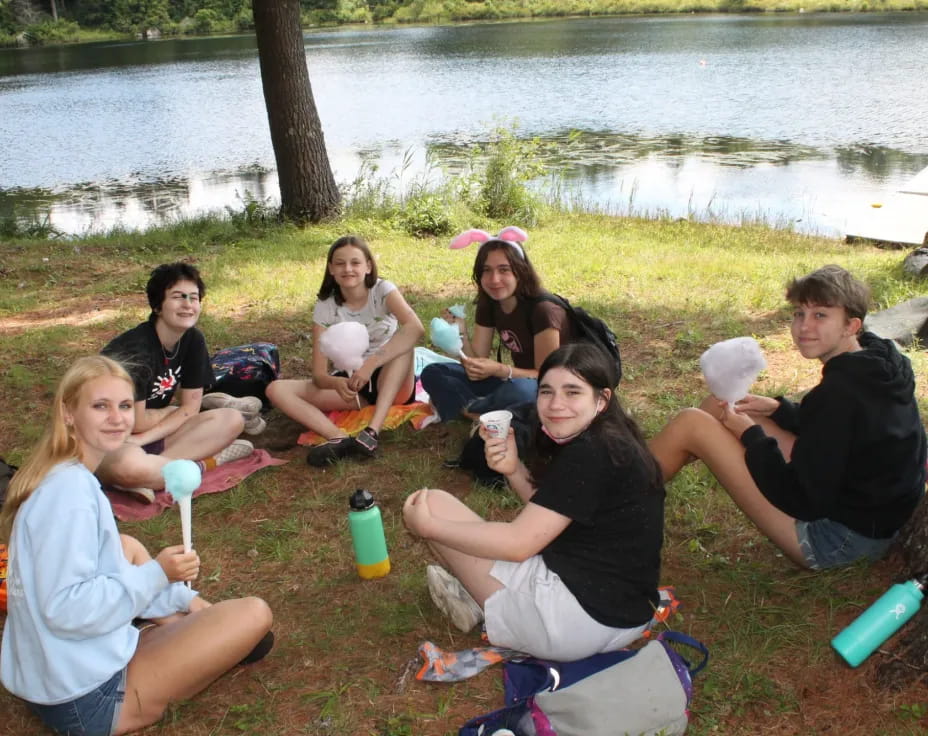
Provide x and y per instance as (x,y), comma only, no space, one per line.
(155,375)
(517,329)
(609,556)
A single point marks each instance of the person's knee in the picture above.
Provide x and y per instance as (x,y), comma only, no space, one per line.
(128,469)
(430,374)
(232,421)
(260,613)
(276,391)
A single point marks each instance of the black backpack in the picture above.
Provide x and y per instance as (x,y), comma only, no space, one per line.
(6,475)
(592,329)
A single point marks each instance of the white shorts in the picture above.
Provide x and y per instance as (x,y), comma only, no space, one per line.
(536,613)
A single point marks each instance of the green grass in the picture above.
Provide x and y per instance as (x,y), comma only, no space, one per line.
(668,288)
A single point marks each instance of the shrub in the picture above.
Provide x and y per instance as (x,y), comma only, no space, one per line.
(501,170)
(52,31)
(424,215)
(206,21)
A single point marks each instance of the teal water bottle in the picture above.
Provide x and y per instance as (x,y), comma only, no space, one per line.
(879,622)
(370,544)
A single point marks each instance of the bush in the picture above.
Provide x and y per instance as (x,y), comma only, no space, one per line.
(501,171)
(53,32)
(425,215)
(206,21)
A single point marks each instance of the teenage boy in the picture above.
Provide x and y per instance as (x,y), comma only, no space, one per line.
(163,354)
(830,480)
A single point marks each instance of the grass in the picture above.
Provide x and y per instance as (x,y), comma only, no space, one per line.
(346,649)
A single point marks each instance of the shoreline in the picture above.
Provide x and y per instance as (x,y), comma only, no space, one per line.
(633,9)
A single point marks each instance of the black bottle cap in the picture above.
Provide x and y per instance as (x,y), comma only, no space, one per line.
(360,500)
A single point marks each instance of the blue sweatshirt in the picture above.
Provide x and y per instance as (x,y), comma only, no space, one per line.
(72,594)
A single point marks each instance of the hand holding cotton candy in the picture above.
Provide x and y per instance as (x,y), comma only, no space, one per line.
(730,367)
(344,344)
(446,337)
(181,479)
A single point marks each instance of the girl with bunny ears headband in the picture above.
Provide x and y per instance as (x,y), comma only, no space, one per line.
(510,301)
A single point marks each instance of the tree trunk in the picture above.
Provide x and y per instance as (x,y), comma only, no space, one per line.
(307,187)
(54,11)
(908,659)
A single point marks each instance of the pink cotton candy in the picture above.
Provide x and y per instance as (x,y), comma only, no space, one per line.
(344,344)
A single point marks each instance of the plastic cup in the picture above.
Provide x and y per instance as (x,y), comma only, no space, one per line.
(496,423)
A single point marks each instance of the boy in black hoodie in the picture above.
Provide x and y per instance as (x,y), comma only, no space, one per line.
(832,479)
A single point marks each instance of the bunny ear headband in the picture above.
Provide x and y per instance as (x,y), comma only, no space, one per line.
(511,235)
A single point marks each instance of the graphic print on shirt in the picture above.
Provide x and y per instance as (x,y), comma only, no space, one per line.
(510,340)
(165,384)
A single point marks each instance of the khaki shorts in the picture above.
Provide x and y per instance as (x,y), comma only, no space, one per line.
(536,613)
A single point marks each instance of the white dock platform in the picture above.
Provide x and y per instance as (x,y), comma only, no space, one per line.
(901,218)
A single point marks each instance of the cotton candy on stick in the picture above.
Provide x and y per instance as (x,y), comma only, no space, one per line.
(345,343)
(181,479)
(446,337)
(730,367)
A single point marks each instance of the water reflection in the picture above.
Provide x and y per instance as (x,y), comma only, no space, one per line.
(717,177)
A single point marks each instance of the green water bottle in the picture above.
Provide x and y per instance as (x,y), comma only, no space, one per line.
(879,622)
(370,544)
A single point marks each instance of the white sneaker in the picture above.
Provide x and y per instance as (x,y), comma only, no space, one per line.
(143,494)
(236,451)
(255,425)
(452,598)
(249,406)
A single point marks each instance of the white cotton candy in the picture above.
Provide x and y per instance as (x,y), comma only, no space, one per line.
(344,344)
(730,367)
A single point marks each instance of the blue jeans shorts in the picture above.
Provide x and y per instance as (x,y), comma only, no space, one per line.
(826,543)
(93,714)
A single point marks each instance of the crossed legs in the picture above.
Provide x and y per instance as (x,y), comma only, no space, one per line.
(696,434)
(306,403)
(186,652)
(201,436)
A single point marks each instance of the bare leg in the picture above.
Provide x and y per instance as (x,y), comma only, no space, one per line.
(396,379)
(304,402)
(694,433)
(204,435)
(473,572)
(136,553)
(176,661)
(199,437)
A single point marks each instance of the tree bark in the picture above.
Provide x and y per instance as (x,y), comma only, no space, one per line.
(307,187)
(908,660)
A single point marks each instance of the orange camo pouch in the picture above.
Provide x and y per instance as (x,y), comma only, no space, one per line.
(3,559)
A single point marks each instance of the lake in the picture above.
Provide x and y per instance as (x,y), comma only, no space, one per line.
(794,119)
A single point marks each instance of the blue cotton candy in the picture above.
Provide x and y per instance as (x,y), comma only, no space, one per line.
(445,337)
(181,478)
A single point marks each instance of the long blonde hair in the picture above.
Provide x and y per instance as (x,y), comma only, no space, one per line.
(59,443)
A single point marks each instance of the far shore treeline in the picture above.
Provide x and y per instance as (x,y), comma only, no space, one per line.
(39,22)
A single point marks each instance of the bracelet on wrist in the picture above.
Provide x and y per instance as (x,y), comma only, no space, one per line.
(509,377)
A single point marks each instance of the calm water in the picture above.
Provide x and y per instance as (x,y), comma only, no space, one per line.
(796,119)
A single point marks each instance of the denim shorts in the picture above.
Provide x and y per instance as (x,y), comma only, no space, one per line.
(826,543)
(93,714)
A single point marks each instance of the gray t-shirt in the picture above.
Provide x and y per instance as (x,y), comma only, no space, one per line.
(375,315)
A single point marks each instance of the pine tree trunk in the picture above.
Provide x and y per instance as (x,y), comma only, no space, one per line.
(307,187)
(908,661)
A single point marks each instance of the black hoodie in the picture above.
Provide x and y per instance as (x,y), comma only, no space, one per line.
(859,456)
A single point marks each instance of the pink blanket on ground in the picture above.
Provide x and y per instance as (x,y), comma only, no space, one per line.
(128,507)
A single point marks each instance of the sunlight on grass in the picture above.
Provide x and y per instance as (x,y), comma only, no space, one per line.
(668,288)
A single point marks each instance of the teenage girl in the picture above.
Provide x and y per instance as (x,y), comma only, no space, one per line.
(508,291)
(351,291)
(75,585)
(576,572)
